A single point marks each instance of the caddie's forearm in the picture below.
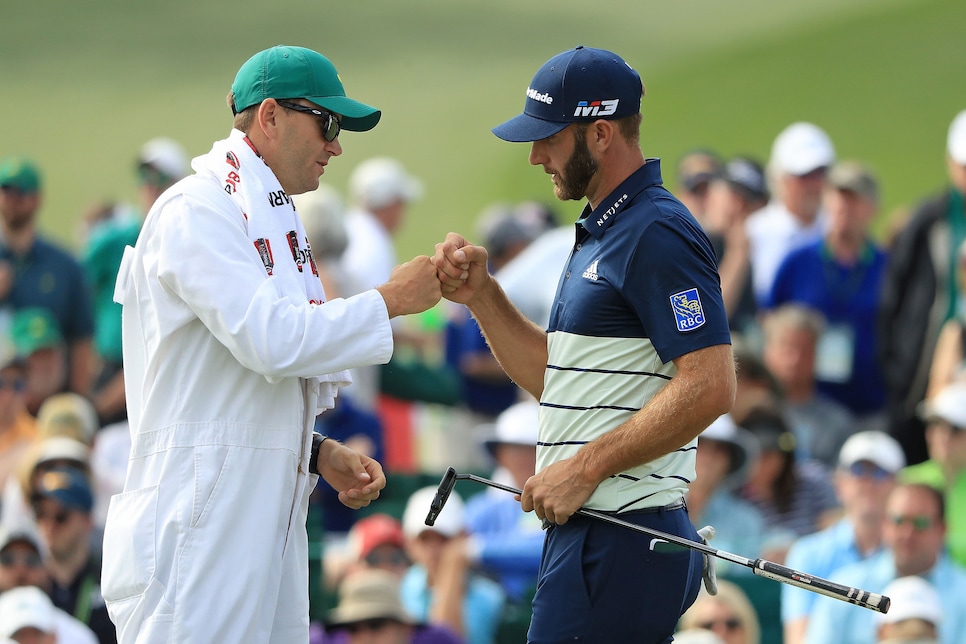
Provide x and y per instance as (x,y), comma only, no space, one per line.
(519,345)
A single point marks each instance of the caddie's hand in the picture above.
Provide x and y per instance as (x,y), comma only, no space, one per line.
(356,477)
(556,492)
(461,268)
(412,287)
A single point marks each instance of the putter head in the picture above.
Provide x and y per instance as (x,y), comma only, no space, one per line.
(446,486)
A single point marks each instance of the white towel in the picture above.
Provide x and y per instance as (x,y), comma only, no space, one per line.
(275,229)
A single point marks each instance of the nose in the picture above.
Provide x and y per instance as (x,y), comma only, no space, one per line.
(334,147)
(537,153)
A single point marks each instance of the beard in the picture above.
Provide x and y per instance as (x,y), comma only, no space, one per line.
(578,171)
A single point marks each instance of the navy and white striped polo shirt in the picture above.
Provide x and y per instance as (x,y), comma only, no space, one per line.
(640,288)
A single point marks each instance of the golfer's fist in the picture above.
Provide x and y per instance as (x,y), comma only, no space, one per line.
(461,268)
(412,287)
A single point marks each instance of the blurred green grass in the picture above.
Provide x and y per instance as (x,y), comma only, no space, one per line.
(84,84)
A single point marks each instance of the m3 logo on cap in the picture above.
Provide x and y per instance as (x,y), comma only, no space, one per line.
(688,314)
(596,108)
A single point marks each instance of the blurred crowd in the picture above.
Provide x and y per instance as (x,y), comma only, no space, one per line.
(844,456)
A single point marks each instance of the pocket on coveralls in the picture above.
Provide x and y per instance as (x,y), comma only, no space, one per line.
(129,544)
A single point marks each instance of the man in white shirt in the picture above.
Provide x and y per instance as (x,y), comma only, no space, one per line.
(800,158)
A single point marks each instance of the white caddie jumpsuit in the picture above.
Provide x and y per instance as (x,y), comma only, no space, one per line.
(207,542)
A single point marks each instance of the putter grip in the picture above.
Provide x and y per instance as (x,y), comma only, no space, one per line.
(857,596)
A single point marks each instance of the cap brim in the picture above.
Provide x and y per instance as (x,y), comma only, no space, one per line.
(356,116)
(525,128)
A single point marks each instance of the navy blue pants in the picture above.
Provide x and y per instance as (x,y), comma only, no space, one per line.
(603,583)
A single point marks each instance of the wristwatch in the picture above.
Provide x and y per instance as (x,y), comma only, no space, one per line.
(317,440)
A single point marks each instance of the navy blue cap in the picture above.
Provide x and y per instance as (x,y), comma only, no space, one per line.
(578,86)
(68,486)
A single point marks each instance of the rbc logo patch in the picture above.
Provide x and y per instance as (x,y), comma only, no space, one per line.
(688,314)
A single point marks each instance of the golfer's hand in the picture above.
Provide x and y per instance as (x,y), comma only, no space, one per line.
(356,477)
(555,493)
(461,268)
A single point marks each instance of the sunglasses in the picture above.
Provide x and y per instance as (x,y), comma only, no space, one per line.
(730,624)
(60,517)
(870,470)
(328,122)
(918,523)
(28,560)
(387,559)
(376,624)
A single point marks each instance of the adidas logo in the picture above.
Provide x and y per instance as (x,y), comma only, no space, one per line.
(591,272)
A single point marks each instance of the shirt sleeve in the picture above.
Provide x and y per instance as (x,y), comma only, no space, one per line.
(205,259)
(673,285)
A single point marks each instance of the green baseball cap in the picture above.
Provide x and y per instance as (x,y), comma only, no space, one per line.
(297,72)
(33,329)
(19,173)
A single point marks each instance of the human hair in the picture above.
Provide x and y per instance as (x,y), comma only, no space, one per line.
(243,120)
(929,490)
(630,127)
(794,316)
(732,597)
(766,421)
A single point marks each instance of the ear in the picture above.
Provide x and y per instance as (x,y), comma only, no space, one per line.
(267,117)
(600,135)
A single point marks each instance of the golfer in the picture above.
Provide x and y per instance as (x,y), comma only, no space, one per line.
(230,352)
(636,361)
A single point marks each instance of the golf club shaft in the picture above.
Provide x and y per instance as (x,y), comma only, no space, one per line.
(760,567)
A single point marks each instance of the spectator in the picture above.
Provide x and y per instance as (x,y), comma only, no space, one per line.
(160,163)
(375,541)
(866,473)
(22,564)
(38,273)
(27,616)
(732,197)
(800,158)
(441,587)
(17,427)
(505,540)
(39,342)
(914,534)
(370,612)
(725,452)
(62,502)
(840,276)
(695,172)
(820,425)
(915,613)
(792,493)
(530,280)
(729,615)
(380,191)
(486,389)
(949,356)
(945,469)
(920,295)
(756,384)
(42,456)
(68,415)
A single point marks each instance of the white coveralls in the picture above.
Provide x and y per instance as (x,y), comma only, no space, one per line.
(207,542)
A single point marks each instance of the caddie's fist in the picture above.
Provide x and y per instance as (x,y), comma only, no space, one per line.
(412,287)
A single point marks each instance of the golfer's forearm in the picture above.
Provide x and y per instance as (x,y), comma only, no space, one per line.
(519,345)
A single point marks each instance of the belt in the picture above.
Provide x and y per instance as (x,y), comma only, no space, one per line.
(676,505)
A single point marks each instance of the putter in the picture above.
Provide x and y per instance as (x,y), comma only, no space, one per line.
(761,567)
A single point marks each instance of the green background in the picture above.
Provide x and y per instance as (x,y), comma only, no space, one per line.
(85,83)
